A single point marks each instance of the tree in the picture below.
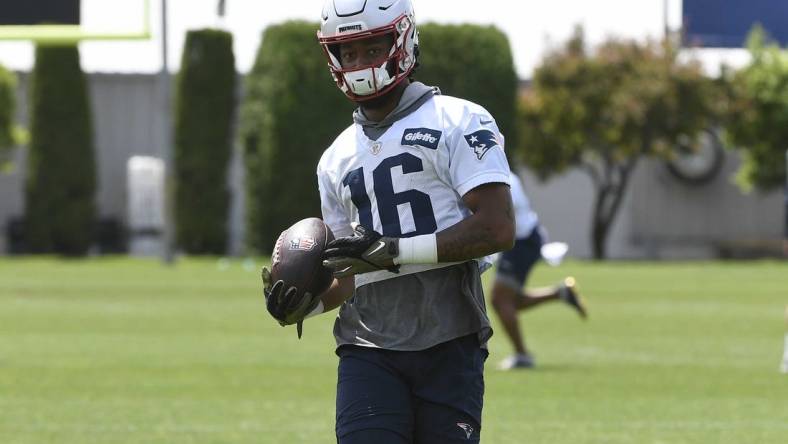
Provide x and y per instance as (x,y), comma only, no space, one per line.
(757,118)
(60,186)
(204,107)
(602,111)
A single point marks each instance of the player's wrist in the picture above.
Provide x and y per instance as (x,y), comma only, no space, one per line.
(319,309)
(418,250)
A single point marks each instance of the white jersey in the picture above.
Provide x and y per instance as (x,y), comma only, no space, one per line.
(525,217)
(410,181)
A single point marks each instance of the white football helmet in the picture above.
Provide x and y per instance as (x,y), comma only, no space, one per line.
(349,20)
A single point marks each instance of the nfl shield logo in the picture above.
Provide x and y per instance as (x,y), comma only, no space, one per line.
(302,243)
(376,148)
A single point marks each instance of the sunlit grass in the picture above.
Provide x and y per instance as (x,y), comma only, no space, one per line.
(130,351)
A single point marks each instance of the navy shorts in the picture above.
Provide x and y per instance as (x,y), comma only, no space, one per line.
(432,396)
(515,264)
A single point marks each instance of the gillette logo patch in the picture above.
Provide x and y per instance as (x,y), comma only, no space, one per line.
(428,138)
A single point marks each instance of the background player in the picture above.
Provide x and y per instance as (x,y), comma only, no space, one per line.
(417,193)
(508,295)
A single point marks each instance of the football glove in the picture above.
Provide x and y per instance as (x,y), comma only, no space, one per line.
(284,303)
(366,250)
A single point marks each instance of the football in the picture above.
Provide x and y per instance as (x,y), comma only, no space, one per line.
(297,257)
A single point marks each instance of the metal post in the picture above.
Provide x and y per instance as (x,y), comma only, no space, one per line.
(168,254)
(666,27)
(221,9)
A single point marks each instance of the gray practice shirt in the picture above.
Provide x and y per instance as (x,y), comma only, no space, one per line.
(416,311)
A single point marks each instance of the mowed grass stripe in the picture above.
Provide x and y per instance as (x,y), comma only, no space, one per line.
(129,351)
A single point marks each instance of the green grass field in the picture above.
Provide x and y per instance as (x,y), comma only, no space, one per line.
(129,351)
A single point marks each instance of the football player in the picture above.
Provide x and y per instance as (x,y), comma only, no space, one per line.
(417,192)
(508,295)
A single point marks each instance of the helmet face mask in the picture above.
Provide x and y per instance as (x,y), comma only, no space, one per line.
(367,20)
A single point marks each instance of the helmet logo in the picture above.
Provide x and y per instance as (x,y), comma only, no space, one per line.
(350,28)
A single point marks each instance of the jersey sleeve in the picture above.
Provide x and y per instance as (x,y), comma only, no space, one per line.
(333,213)
(477,154)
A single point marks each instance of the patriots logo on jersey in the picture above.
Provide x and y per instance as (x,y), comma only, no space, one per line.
(428,138)
(481,141)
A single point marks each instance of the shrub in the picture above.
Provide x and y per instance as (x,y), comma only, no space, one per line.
(61,172)
(204,106)
(475,63)
(291,113)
